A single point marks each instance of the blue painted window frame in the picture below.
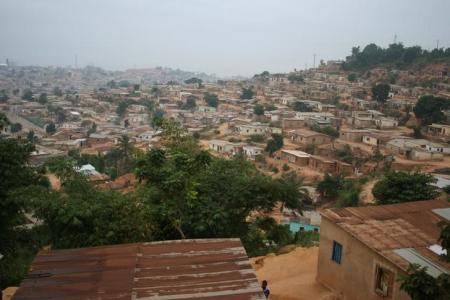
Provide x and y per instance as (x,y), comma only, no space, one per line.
(336,254)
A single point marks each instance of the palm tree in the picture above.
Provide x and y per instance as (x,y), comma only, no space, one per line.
(293,194)
(125,149)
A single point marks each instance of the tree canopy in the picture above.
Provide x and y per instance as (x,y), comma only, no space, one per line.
(398,187)
(211,99)
(395,55)
(429,109)
(247,93)
(275,143)
(380,92)
(258,110)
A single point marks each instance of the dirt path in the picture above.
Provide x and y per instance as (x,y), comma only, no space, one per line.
(366,196)
(54,181)
(292,276)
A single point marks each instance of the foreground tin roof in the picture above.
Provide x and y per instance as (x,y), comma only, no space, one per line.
(213,269)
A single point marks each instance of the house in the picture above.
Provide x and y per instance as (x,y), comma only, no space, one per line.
(296,157)
(252,129)
(417,149)
(438,130)
(293,123)
(225,147)
(384,123)
(252,151)
(363,250)
(322,164)
(353,135)
(305,136)
(179,269)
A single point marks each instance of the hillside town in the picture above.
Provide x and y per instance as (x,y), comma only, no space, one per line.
(336,130)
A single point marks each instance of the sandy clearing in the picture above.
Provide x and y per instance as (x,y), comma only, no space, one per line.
(292,276)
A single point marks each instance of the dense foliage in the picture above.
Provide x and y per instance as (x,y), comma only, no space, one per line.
(397,187)
(247,93)
(429,109)
(395,55)
(275,143)
(380,92)
(420,285)
(211,99)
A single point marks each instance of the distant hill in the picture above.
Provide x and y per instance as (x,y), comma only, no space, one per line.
(395,56)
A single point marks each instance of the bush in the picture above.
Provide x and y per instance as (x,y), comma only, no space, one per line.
(257,138)
(275,169)
(286,167)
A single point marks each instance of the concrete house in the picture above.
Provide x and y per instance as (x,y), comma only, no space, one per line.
(225,147)
(252,151)
(353,135)
(438,130)
(304,137)
(417,149)
(296,157)
(363,250)
(252,129)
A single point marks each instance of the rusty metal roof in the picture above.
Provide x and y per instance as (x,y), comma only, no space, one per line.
(385,228)
(213,269)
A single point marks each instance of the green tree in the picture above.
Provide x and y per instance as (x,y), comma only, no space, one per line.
(275,143)
(398,187)
(3,121)
(43,99)
(380,92)
(57,91)
(31,137)
(16,127)
(420,285)
(429,109)
(258,110)
(27,94)
(93,129)
(157,118)
(295,78)
(352,77)
(247,93)
(211,99)
(122,108)
(50,128)
(301,106)
(330,186)
(82,215)
(3,96)
(190,102)
(194,80)
(18,181)
(292,191)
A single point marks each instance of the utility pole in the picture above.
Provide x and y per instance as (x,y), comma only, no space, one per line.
(437,44)
(314,65)
(395,38)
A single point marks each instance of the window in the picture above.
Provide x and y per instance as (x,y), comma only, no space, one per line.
(337,252)
(384,280)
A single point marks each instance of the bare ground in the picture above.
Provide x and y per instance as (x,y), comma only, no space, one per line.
(292,276)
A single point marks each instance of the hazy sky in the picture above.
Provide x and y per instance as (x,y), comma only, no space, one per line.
(226,37)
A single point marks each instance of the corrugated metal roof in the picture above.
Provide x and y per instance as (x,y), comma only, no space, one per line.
(414,257)
(443,212)
(201,269)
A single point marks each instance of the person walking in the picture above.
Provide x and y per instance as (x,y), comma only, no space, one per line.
(265,289)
